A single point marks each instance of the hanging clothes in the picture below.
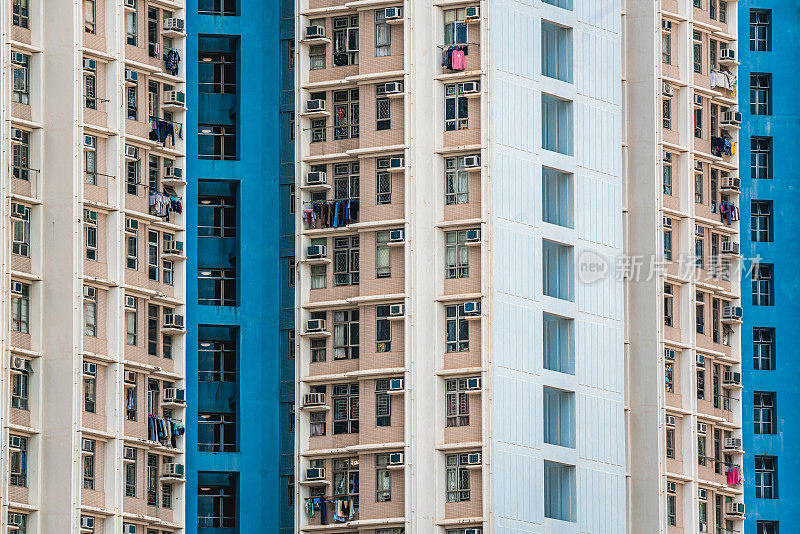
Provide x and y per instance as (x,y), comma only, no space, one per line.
(172,61)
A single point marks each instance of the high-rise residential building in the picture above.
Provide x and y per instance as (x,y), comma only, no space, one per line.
(683,312)
(771,114)
(239,440)
(94,400)
(460,337)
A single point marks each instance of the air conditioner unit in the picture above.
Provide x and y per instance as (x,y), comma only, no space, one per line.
(173,320)
(472,13)
(733,444)
(173,173)
(669,420)
(89,141)
(129,454)
(727,54)
(315,32)
(315,325)
(732,378)
(393,88)
(130,302)
(472,162)
(667,89)
(474,383)
(397,235)
(131,152)
(87,522)
(396,384)
(393,13)
(396,310)
(317,104)
(15,442)
(14,519)
(315,473)
(315,178)
(17,58)
(698,165)
(396,458)
(702,494)
(90,216)
(730,183)
(698,100)
(472,307)
(89,292)
(471,88)
(729,247)
(666,25)
(174,470)
(702,428)
(174,25)
(174,396)
(130,377)
(669,354)
(732,117)
(87,445)
(666,156)
(734,508)
(89,64)
(17,288)
(672,487)
(474,458)
(701,360)
(18,363)
(128,528)
(473,235)
(397,162)
(89,368)
(130,3)
(17,135)
(698,230)
(316,251)
(174,98)
(314,399)
(473,530)
(174,247)
(131,76)
(18,211)
(731,312)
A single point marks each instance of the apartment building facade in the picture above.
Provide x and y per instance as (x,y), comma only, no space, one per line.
(684,312)
(769,290)
(454,374)
(94,270)
(239,436)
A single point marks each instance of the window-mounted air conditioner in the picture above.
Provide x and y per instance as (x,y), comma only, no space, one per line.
(474,458)
(396,162)
(130,377)
(315,178)
(131,152)
(474,383)
(472,13)
(315,32)
(396,384)
(89,64)
(173,320)
(315,325)
(316,251)
(702,428)
(314,399)
(396,458)
(472,162)
(473,235)
(669,420)
(131,225)
(174,396)
(315,473)
(130,302)
(396,310)
(129,454)
(173,173)
(471,88)
(393,88)
(397,235)
(17,288)
(472,307)
(89,368)
(87,522)
(727,54)
(317,104)
(131,76)
(174,98)
(667,89)
(393,13)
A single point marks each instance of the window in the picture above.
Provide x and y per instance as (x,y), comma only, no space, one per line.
(345,114)
(133,100)
(316,56)
(558,272)
(383,403)
(764,349)
(764,416)
(457,327)
(766,477)
(18,460)
(761,158)
(87,456)
(666,47)
(667,167)
(458,477)
(701,382)
(216,287)
(131,398)
(668,238)
(671,443)
(216,432)
(152,480)
(383,34)
(700,312)
(666,113)
(383,255)
(133,176)
(216,141)
(345,478)
(723,11)
(559,491)
(166,496)
(346,180)
(345,408)
(345,334)
(345,261)
(698,187)
(702,453)
(456,181)
(455,26)
(131,26)
(558,343)
(559,417)
(131,321)
(90,90)
(761,221)
(21,229)
(89,16)
(153,255)
(668,304)
(19,389)
(760,93)
(216,506)
(698,122)
(762,284)
(290,344)
(152,330)
(318,131)
(669,376)
(557,197)
(456,254)
(90,391)
(132,251)
(457,401)
(20,64)
(766,527)
(216,216)
(19,13)
(319,276)
(217,73)
(672,505)
(383,109)
(456,108)
(20,151)
(383,329)
(20,308)
(760,30)
(697,37)
(345,41)
(702,515)
(383,479)
(291,271)
(557,52)
(90,160)
(168,272)
(219,8)
(317,420)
